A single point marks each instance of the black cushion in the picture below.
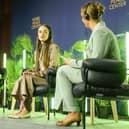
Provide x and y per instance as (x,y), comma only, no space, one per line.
(103,79)
(40,90)
(78,90)
(105,65)
(44,89)
(122,91)
(117,93)
(103,72)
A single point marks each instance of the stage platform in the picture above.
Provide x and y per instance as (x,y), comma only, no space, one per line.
(39,120)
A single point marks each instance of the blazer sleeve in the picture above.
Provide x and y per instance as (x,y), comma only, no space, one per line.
(76,63)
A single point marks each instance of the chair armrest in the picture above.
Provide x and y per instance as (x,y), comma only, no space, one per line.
(51,77)
(103,72)
(51,71)
(104,65)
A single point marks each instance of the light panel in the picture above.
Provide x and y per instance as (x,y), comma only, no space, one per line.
(127,60)
(24,59)
(4,60)
(127,50)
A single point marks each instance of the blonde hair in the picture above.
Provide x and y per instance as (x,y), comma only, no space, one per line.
(95,10)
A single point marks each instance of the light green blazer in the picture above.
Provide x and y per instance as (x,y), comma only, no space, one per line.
(102,44)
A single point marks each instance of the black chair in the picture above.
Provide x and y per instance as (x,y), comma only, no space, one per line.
(44,90)
(3,74)
(47,90)
(103,79)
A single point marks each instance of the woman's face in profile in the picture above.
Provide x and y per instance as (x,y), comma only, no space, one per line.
(43,33)
(84,20)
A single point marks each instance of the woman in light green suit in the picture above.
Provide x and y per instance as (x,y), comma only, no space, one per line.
(46,56)
(102,44)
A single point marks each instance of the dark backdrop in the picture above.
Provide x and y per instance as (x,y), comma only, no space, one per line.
(64,18)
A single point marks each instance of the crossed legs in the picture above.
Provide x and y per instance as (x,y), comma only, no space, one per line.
(66,75)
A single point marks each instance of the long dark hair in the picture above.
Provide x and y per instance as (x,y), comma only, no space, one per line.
(45,52)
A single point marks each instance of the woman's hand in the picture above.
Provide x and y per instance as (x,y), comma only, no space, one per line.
(27,72)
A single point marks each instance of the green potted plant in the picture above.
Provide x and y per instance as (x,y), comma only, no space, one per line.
(102,108)
(15,60)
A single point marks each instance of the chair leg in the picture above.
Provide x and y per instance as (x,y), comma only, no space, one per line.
(33,104)
(114,110)
(45,103)
(52,106)
(48,116)
(83,114)
(13,104)
(92,110)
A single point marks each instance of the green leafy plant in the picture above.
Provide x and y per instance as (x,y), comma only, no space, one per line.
(102,102)
(77,51)
(15,60)
(102,108)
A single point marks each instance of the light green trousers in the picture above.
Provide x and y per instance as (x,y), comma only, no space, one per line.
(66,75)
